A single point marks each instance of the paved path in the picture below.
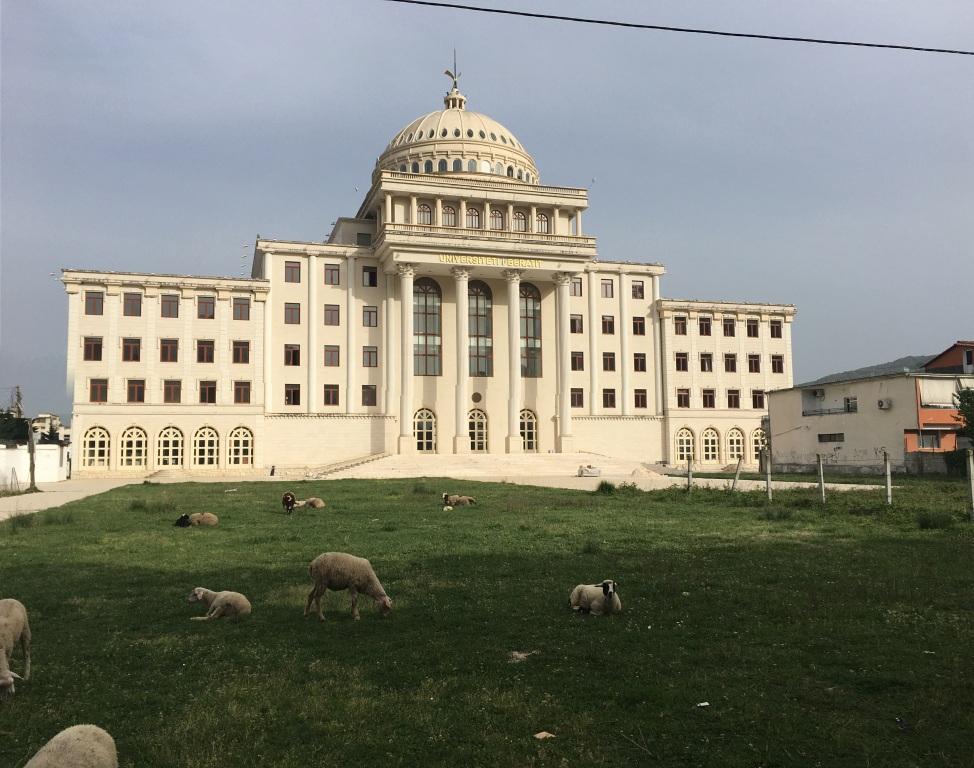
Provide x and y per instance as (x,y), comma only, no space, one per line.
(56,494)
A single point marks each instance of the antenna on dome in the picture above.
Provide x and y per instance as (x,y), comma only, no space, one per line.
(454,99)
(454,74)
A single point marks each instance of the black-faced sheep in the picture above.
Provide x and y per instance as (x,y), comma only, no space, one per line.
(288,501)
(457,501)
(597,599)
(230,605)
(314,503)
(197,518)
(13,628)
(80,746)
(337,571)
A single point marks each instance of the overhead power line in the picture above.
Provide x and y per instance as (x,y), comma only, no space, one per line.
(659,27)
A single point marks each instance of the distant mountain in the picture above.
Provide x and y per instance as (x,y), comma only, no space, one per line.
(908,363)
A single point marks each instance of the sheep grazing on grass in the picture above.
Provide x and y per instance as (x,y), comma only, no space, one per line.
(80,746)
(230,605)
(337,571)
(13,627)
(289,501)
(314,503)
(197,518)
(597,599)
(457,501)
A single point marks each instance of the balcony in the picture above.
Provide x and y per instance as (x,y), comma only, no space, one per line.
(827,411)
(454,233)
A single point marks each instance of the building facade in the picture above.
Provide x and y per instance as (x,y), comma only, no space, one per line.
(462,309)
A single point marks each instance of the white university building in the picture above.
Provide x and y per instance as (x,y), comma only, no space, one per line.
(463,308)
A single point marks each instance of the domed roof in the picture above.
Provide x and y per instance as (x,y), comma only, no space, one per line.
(455,140)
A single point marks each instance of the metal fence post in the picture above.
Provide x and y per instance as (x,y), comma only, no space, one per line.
(689,473)
(766,454)
(889,481)
(970,477)
(821,477)
(737,472)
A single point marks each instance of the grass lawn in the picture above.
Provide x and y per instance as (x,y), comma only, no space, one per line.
(835,637)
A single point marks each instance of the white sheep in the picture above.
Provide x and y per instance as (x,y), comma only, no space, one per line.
(447,508)
(203,518)
(13,627)
(231,605)
(457,501)
(337,571)
(597,599)
(80,746)
(314,503)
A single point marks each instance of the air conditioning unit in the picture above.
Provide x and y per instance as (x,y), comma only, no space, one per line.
(818,393)
(884,403)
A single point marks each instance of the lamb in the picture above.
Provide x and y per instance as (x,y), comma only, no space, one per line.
(597,599)
(288,501)
(197,518)
(80,746)
(13,627)
(457,501)
(337,571)
(314,502)
(231,605)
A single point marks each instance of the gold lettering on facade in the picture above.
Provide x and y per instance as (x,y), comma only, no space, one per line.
(491,261)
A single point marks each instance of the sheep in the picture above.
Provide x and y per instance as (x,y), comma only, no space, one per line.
(337,571)
(457,501)
(203,518)
(288,501)
(182,521)
(597,599)
(13,627)
(314,502)
(447,508)
(231,605)
(80,746)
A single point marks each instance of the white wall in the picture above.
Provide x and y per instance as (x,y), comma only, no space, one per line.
(50,464)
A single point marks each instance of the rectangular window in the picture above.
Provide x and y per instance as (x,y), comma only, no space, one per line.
(241,352)
(241,308)
(775,329)
(757,398)
(333,274)
(710,398)
(204,351)
(639,361)
(706,362)
(777,363)
(851,404)
(370,357)
(98,391)
(94,303)
(241,392)
(363,238)
(332,314)
(752,327)
(370,277)
(292,354)
(370,317)
(368,394)
(578,361)
(608,398)
(733,398)
(208,392)
(831,437)
(608,361)
(639,326)
(928,439)
(576,287)
(683,398)
(206,307)
(169,305)
(168,350)
(131,350)
(608,324)
(575,324)
(136,390)
(606,289)
(703,326)
(292,271)
(172,391)
(680,326)
(132,305)
(331,394)
(292,314)
(332,356)
(292,394)
(92,348)
(730,363)
(640,398)
(577,397)
(638,292)
(754,363)
(682,361)
(730,326)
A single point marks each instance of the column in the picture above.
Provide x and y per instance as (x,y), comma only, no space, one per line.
(463,214)
(513,443)
(311,356)
(438,221)
(270,402)
(555,215)
(578,222)
(594,331)
(533,220)
(461,440)
(389,347)
(486,222)
(388,209)
(406,442)
(565,441)
(659,394)
(353,357)
(625,328)
(510,217)
(412,209)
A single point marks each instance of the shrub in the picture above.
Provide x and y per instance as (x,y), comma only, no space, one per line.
(606,487)
(928,520)
(629,489)
(956,463)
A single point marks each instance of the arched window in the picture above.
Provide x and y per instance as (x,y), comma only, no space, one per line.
(684,445)
(402,168)
(481,328)
(520,174)
(496,219)
(427,339)
(530,331)
(96,448)
(542,223)
(529,431)
(424,215)
(428,166)
(449,216)
(527,177)
(499,169)
(441,166)
(485,166)
(711,444)
(132,448)
(424,430)
(473,218)
(735,444)
(241,447)
(458,164)
(759,442)
(169,448)
(206,447)
(477,425)
(510,171)
(520,222)
(415,167)
(472,166)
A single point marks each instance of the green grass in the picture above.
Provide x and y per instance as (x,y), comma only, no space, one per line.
(808,630)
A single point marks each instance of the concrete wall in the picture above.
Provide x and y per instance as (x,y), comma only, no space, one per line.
(51,464)
(317,440)
(636,438)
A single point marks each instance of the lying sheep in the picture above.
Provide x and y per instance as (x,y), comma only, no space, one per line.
(447,508)
(197,518)
(13,627)
(337,571)
(80,746)
(231,605)
(314,502)
(457,501)
(597,599)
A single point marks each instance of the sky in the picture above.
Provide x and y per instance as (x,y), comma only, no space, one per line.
(164,137)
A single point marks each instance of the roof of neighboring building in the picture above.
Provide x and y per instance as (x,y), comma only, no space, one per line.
(675,303)
(960,343)
(66,270)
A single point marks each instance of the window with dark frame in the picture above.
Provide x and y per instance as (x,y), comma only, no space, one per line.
(757,398)
(851,404)
(683,398)
(730,363)
(775,327)
(639,326)
(292,271)
(733,398)
(706,362)
(292,394)
(831,437)
(608,361)
(332,314)
(424,214)
(752,327)
(680,325)
(241,392)
(578,361)
(639,362)
(172,391)
(332,356)
(577,397)
(206,307)
(709,398)
(169,305)
(682,361)
(292,354)
(608,324)
(703,326)
(331,394)
(241,352)
(608,398)
(98,391)
(427,328)
(370,317)
(449,215)
(132,305)
(241,308)
(292,313)
(777,363)
(370,357)
(363,238)
(730,326)
(754,363)
(607,289)
(204,351)
(333,274)
(575,324)
(94,303)
(168,350)
(370,277)
(480,328)
(530,302)
(136,390)
(575,287)
(368,395)
(131,350)
(640,398)
(638,291)
(208,392)
(92,348)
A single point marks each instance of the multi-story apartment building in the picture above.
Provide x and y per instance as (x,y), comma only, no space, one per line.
(462,309)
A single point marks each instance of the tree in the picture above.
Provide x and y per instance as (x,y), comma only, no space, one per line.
(11,427)
(965,405)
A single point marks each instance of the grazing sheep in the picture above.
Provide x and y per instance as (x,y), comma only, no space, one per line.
(13,627)
(80,746)
(288,501)
(314,502)
(457,501)
(231,605)
(597,599)
(203,518)
(337,571)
